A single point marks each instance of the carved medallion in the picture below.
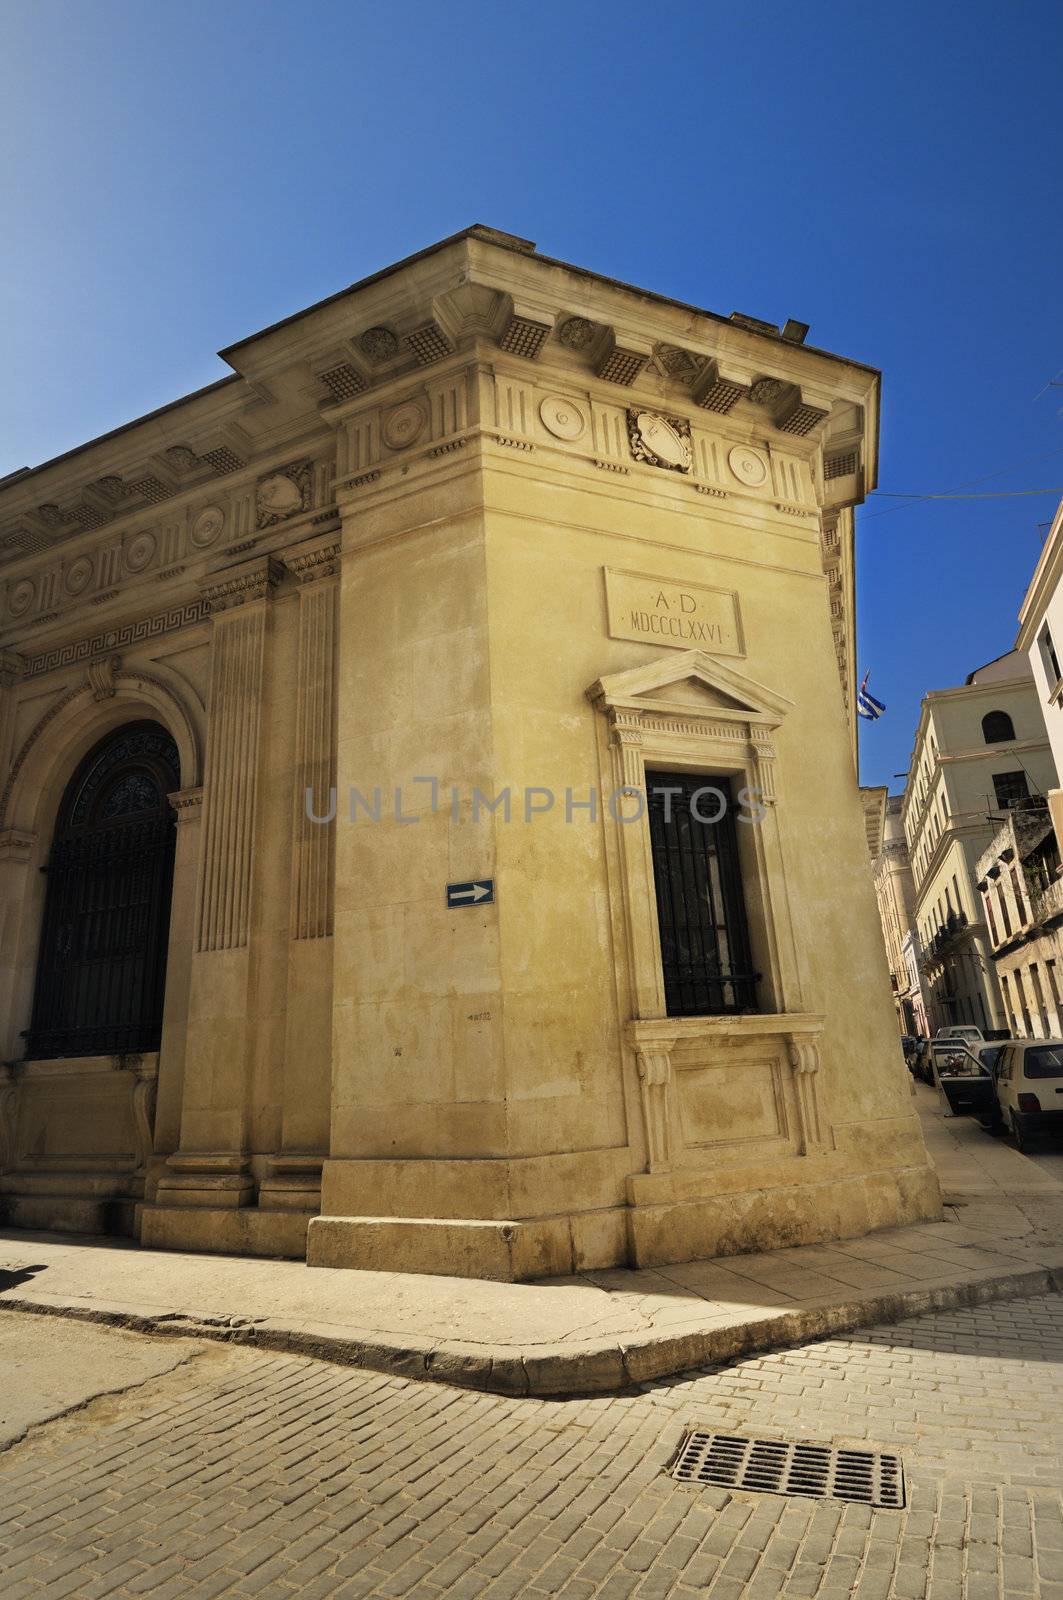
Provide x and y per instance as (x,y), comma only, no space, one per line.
(206,526)
(660,441)
(140,551)
(78,575)
(379,344)
(576,333)
(677,363)
(20,596)
(748,465)
(766,390)
(283,494)
(561,417)
(403,425)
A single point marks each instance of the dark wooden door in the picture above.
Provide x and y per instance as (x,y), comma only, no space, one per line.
(101,969)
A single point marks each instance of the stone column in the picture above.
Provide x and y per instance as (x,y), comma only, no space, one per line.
(211,1167)
(294,1178)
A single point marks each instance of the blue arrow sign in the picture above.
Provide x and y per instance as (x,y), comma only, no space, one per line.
(479,893)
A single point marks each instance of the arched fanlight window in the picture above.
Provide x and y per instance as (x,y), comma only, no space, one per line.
(997,727)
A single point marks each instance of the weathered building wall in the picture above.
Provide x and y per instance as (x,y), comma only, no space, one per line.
(483,523)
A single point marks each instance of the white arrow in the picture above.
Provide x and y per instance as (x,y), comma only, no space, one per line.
(477,892)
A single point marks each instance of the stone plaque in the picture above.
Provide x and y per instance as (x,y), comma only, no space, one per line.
(655,610)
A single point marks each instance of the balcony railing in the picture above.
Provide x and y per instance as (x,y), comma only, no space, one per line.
(1048,905)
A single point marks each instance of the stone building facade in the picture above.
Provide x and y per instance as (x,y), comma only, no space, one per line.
(980,749)
(1040,638)
(891,873)
(1022,893)
(338,703)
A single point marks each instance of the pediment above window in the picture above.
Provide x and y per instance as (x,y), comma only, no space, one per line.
(690,683)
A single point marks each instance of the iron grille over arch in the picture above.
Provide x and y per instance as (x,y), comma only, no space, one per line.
(101,966)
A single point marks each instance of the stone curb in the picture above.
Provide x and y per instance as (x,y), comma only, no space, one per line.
(559,1369)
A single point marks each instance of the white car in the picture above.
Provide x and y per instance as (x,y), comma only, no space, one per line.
(961,1030)
(1028,1080)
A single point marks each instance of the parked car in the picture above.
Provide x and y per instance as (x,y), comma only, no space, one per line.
(960,1030)
(965,1078)
(1028,1089)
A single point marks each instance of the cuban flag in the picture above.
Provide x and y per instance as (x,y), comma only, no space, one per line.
(866,704)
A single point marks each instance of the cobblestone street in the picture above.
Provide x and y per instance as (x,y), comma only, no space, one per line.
(243,1473)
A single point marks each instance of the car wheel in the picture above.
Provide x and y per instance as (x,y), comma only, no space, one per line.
(1022,1141)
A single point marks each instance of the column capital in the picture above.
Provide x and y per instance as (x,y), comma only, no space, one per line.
(240,584)
(187,803)
(314,560)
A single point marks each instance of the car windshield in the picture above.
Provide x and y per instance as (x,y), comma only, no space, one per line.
(990,1057)
(1045,1062)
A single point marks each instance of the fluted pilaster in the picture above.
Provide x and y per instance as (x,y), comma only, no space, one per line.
(238,602)
(314,843)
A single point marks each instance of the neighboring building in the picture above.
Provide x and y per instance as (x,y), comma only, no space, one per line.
(1019,873)
(979,750)
(913,993)
(1022,893)
(1041,638)
(891,872)
(483,525)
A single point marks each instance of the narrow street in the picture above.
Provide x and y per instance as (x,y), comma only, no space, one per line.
(219,1471)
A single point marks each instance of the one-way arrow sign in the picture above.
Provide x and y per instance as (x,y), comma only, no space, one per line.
(470,894)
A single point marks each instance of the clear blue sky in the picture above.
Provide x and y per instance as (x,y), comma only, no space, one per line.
(177,176)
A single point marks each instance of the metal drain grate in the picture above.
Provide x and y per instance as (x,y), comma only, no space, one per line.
(772,1466)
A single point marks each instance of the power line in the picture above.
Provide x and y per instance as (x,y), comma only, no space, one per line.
(992,494)
(971,483)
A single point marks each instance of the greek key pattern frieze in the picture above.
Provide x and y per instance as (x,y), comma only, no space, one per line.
(117,638)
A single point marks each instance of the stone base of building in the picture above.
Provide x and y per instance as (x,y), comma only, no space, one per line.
(667,1220)
(664,1226)
(465,1247)
(224,1230)
(73,1208)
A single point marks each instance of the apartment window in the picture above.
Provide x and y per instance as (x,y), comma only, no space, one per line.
(1011,788)
(997,727)
(1003,904)
(1049,657)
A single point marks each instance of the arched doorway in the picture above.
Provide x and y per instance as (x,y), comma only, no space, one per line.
(101,965)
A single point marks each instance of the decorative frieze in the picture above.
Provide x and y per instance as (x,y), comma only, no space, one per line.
(122,637)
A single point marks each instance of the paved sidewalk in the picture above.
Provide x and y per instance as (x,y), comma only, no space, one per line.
(1002,1238)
